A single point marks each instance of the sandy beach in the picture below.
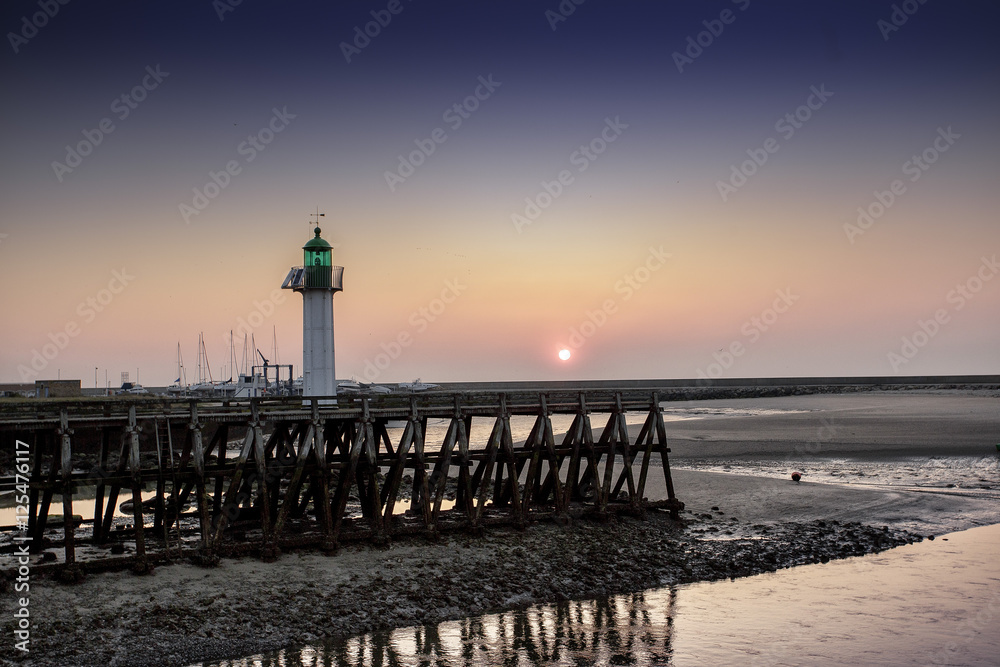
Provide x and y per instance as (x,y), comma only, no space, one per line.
(183,613)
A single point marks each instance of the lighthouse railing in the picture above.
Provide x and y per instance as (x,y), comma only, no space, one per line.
(300,277)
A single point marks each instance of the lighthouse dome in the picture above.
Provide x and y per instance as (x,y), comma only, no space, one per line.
(316,243)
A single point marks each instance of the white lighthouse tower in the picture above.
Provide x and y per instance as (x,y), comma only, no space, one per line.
(317,280)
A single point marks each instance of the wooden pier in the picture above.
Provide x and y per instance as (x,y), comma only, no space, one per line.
(208,479)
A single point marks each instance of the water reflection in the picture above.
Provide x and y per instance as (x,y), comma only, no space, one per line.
(934,602)
(620,630)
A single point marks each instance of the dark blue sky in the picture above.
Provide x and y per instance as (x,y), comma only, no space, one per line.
(662,182)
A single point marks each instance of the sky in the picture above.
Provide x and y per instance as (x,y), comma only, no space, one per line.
(666,190)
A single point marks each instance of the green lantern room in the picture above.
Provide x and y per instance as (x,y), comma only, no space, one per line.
(317,270)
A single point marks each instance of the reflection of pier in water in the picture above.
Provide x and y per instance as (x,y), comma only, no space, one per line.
(633,629)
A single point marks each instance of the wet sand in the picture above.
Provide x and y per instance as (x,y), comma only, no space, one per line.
(873,424)
(182,613)
(758,499)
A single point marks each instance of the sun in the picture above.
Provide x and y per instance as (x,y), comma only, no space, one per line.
(564,354)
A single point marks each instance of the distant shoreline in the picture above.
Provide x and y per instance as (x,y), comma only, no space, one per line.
(790,384)
(874,381)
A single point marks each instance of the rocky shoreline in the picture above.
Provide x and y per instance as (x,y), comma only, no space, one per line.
(183,614)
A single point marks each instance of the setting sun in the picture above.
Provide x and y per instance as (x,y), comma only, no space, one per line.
(564,354)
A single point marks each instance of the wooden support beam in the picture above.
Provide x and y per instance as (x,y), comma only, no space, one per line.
(135,467)
(231,501)
(175,511)
(109,510)
(198,455)
(158,509)
(179,493)
(572,440)
(382,436)
(624,443)
(66,456)
(395,476)
(484,471)
(439,478)
(420,494)
(98,534)
(321,494)
(513,472)
(345,482)
(221,439)
(369,494)
(554,461)
(661,436)
(648,428)
(52,444)
(533,445)
(590,479)
(606,446)
(464,498)
(291,495)
(268,549)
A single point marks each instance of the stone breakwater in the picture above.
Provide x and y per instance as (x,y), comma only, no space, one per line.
(182,614)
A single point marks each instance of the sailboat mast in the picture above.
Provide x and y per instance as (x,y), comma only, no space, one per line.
(181,379)
(232,355)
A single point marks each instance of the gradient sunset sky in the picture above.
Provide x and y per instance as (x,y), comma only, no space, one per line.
(665,250)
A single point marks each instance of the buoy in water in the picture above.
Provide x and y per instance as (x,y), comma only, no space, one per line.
(796,476)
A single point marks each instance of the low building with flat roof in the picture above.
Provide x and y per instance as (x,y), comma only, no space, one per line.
(17,390)
(57,388)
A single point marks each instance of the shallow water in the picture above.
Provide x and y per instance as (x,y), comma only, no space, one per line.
(935,602)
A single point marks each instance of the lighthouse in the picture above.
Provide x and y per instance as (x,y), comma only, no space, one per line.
(317,279)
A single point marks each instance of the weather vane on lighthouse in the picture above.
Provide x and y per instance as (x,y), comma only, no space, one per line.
(317,215)
(317,280)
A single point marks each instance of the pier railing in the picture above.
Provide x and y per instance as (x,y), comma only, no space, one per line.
(203,478)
